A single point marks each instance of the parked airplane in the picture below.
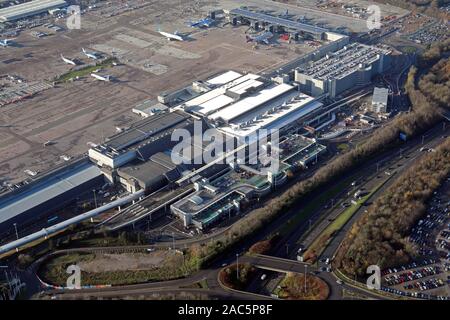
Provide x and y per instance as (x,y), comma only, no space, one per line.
(90,54)
(202,23)
(68,61)
(171,36)
(264,38)
(49,143)
(106,78)
(5,42)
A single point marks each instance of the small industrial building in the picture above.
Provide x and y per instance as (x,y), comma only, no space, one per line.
(380,100)
(29,9)
(352,66)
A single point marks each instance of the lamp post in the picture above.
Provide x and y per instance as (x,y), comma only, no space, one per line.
(306,267)
(95,198)
(173,240)
(237,266)
(17,233)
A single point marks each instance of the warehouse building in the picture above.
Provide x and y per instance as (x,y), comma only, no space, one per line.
(352,66)
(28,9)
(380,100)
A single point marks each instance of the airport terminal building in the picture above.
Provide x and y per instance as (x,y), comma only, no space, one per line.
(240,105)
(48,194)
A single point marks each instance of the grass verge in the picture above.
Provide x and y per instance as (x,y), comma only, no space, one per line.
(84,71)
(321,242)
(292,287)
(314,206)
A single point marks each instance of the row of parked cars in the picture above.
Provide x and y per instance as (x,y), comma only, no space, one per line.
(425,284)
(419,295)
(412,265)
(411,275)
(431,235)
(423,231)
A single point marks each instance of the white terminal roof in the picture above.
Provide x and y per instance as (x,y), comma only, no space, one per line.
(247,104)
(224,78)
(273,116)
(26,9)
(216,99)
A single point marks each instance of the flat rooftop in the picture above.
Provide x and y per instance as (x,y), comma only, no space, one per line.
(380,96)
(150,106)
(217,98)
(250,103)
(339,64)
(224,78)
(23,10)
(142,130)
(47,189)
(274,115)
(277,21)
(147,172)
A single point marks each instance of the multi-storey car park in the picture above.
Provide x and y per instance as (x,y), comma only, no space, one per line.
(353,65)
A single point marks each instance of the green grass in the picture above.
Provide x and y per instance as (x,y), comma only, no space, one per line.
(314,206)
(409,49)
(84,71)
(343,147)
(292,288)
